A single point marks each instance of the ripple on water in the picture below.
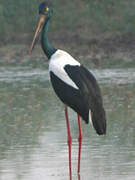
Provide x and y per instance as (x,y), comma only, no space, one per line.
(33,140)
(118,76)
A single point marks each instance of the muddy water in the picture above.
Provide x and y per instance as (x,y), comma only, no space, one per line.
(33,129)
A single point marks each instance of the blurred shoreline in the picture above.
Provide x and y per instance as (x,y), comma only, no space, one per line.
(98,53)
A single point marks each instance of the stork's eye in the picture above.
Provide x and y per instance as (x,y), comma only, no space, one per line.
(47,9)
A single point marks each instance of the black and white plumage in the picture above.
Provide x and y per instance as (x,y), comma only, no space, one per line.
(74,84)
(78,89)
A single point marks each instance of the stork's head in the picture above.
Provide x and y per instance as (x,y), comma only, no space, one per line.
(46,10)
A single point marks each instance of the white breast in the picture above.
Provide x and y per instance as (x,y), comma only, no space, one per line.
(57,63)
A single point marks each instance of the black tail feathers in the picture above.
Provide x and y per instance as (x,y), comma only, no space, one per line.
(99,121)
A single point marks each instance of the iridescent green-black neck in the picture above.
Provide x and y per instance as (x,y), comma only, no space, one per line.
(46,46)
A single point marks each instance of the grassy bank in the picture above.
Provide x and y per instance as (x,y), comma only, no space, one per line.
(100,32)
(105,54)
(92,19)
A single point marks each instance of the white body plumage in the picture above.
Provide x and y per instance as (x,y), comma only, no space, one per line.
(57,63)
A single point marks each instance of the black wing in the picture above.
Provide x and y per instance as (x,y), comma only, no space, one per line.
(70,96)
(90,91)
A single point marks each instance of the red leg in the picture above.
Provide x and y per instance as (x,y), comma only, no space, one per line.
(80,139)
(69,141)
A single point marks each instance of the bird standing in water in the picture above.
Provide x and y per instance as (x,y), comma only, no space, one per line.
(76,87)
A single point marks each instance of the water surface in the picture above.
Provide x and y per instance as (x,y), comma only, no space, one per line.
(33,139)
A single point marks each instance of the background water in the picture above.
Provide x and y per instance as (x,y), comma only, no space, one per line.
(33,135)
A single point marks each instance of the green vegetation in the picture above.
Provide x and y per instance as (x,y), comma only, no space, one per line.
(89,17)
(98,29)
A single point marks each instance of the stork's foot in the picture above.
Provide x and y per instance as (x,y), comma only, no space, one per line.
(79,177)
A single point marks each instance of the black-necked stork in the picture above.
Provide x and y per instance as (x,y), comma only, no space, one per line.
(76,87)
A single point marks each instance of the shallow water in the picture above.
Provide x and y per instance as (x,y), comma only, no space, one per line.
(33,139)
